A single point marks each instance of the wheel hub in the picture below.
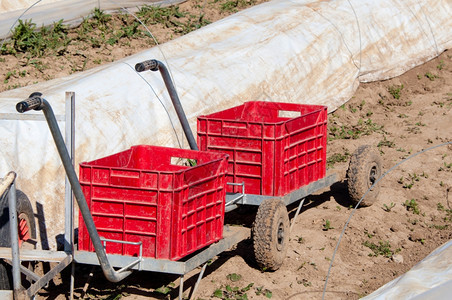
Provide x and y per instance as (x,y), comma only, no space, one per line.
(280,236)
(24,229)
(373,174)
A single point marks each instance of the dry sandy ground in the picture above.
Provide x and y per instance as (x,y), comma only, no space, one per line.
(411,217)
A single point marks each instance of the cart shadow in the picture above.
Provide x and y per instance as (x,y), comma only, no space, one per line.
(152,284)
(90,282)
(337,191)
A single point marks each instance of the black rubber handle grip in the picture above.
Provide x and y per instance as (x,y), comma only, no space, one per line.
(34,102)
(151,64)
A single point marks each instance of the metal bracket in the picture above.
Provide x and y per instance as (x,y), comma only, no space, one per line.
(132,264)
(232,199)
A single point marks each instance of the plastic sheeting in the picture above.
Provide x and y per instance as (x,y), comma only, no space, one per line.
(46,12)
(313,52)
(429,279)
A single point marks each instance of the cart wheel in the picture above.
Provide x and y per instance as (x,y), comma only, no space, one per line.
(271,234)
(26,230)
(364,169)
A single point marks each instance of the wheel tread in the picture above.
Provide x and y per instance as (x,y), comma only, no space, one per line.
(268,215)
(357,175)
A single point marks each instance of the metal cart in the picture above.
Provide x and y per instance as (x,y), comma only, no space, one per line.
(270,230)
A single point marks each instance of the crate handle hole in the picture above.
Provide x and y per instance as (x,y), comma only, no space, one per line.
(182,161)
(288,114)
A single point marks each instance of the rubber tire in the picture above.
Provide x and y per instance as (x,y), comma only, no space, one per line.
(24,209)
(364,169)
(271,234)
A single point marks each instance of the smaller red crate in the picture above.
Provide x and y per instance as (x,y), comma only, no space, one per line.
(141,194)
(274,148)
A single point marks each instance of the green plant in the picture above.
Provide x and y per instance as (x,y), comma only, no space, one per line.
(100,16)
(327,226)
(8,75)
(414,130)
(361,105)
(388,208)
(39,65)
(440,65)
(412,178)
(439,103)
(165,289)
(369,235)
(337,158)
(363,127)
(234,5)
(412,205)
(413,222)
(448,217)
(439,227)
(430,76)
(26,38)
(446,167)
(383,248)
(234,277)
(386,143)
(235,293)
(262,291)
(395,91)
(304,282)
(108,294)
(301,266)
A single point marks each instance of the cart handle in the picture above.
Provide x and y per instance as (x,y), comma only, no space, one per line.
(155,65)
(35,101)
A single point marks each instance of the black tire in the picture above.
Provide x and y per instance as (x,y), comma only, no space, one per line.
(271,234)
(364,170)
(25,214)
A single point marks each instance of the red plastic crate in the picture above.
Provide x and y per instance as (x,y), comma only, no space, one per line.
(274,148)
(141,195)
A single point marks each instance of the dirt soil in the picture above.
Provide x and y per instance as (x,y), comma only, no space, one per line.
(411,217)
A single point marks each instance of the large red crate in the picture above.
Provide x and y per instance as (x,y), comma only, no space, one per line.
(141,195)
(274,148)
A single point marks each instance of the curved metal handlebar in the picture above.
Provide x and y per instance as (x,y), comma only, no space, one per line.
(155,65)
(35,101)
